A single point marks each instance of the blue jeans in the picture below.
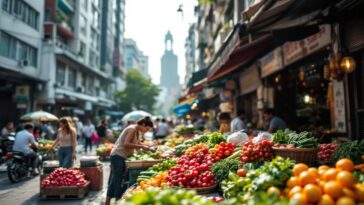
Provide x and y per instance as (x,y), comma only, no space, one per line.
(115,189)
(65,157)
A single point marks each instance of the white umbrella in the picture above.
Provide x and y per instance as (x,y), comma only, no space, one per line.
(135,115)
(40,116)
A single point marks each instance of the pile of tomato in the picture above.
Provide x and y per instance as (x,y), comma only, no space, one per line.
(196,148)
(259,152)
(193,170)
(64,177)
(222,150)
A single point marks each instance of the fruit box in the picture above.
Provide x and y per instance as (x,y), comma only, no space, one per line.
(94,175)
(64,192)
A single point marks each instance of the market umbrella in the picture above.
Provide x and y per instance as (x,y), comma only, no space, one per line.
(40,116)
(134,116)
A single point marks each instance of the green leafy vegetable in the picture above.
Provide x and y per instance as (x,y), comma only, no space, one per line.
(351,149)
(222,168)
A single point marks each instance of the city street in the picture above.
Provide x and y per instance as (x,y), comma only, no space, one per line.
(26,192)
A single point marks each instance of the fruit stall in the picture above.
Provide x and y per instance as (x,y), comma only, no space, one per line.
(104,150)
(284,168)
(44,146)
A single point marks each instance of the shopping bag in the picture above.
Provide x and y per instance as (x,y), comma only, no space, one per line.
(95,138)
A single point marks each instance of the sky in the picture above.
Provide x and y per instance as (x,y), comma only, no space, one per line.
(147,22)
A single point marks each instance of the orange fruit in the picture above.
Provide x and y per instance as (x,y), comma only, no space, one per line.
(346,179)
(330,175)
(298,198)
(306,178)
(334,189)
(359,191)
(326,200)
(286,191)
(313,192)
(314,172)
(345,164)
(292,181)
(349,193)
(298,168)
(323,167)
(294,190)
(274,191)
(345,201)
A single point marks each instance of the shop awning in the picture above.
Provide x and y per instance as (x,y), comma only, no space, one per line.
(114,113)
(184,107)
(80,96)
(197,77)
(243,55)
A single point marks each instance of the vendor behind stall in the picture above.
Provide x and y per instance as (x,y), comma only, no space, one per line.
(125,146)
(275,123)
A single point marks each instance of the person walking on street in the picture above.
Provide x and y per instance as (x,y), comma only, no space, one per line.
(9,128)
(275,123)
(102,131)
(162,129)
(237,123)
(88,131)
(24,141)
(78,125)
(125,146)
(67,141)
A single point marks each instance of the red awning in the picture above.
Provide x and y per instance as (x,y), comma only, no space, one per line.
(195,89)
(243,55)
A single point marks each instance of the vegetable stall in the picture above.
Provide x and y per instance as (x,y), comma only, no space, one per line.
(286,168)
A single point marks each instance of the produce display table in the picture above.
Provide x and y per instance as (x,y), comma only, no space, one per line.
(133,174)
(94,175)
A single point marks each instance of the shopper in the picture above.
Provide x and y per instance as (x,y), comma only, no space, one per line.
(101,131)
(67,141)
(162,130)
(275,123)
(125,146)
(9,128)
(79,126)
(237,123)
(224,121)
(88,131)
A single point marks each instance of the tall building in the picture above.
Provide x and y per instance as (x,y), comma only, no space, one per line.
(135,59)
(190,48)
(169,62)
(21,28)
(80,76)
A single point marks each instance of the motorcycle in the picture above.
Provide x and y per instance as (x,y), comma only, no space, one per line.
(6,145)
(19,167)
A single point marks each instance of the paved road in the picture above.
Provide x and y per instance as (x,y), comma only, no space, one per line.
(26,192)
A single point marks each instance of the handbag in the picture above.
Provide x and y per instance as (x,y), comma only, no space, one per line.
(95,138)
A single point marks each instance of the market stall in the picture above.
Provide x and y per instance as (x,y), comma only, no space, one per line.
(285,168)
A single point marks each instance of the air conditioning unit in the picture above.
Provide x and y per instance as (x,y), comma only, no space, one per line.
(24,63)
(80,89)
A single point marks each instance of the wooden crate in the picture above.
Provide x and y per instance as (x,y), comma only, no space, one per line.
(142,163)
(94,175)
(65,192)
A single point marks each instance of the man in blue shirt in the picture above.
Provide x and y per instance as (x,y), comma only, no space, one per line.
(275,123)
(24,140)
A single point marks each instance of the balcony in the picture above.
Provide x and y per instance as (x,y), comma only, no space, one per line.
(65,30)
(66,6)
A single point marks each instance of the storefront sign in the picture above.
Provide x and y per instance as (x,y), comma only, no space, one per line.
(249,80)
(294,51)
(339,106)
(22,93)
(88,106)
(272,62)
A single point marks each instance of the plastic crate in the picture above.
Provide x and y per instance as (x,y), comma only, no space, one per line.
(94,175)
(133,175)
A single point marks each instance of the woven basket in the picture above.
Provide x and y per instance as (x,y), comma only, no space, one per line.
(300,155)
(203,190)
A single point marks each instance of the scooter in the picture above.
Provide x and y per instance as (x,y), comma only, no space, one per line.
(19,166)
(6,145)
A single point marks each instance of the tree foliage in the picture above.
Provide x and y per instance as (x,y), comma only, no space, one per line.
(140,93)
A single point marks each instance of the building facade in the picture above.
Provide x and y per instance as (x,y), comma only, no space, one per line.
(78,84)
(169,62)
(135,59)
(190,52)
(21,73)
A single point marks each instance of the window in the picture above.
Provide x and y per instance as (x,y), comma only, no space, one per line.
(61,73)
(72,77)
(47,15)
(95,39)
(83,25)
(95,17)
(84,4)
(92,59)
(82,49)
(17,50)
(90,86)
(84,80)
(23,11)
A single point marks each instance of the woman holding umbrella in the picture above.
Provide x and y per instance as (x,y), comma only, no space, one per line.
(67,140)
(125,146)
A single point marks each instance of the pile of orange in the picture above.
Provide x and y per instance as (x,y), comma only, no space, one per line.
(196,148)
(325,185)
(157,181)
